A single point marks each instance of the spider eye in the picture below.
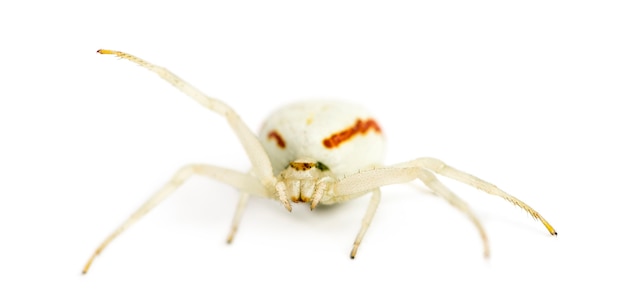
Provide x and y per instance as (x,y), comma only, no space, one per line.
(303,166)
(321,166)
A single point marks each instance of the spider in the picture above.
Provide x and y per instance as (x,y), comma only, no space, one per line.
(315,152)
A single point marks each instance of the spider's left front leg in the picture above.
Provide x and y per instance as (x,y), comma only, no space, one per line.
(390,175)
(404,172)
(443,169)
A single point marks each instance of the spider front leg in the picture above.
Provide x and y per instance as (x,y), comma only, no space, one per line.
(367,180)
(443,169)
(262,167)
(429,180)
(244,182)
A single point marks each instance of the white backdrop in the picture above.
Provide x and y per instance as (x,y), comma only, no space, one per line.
(526,95)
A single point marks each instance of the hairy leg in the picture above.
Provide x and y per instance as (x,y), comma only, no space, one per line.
(431,181)
(254,149)
(367,180)
(241,206)
(239,180)
(443,169)
(367,220)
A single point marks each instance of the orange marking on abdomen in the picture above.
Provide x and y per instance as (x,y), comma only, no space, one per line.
(361,126)
(279,139)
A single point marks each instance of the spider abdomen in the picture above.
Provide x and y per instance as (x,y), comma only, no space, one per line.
(343,137)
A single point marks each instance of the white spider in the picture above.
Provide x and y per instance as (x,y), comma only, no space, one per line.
(313,152)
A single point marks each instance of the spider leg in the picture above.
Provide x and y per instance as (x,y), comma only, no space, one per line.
(367,180)
(367,219)
(431,181)
(244,182)
(241,206)
(441,168)
(254,150)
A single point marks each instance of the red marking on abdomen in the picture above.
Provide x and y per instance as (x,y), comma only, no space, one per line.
(279,139)
(361,126)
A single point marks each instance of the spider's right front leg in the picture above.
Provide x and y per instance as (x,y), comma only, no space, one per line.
(246,183)
(261,164)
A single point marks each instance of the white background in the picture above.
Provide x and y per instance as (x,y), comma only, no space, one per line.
(528,96)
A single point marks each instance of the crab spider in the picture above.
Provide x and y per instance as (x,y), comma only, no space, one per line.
(314,152)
